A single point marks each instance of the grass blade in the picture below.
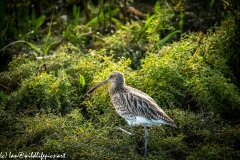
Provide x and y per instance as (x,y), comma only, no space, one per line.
(82,80)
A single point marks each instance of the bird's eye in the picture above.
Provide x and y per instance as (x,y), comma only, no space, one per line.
(111,76)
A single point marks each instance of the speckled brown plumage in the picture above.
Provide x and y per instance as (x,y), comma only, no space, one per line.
(135,106)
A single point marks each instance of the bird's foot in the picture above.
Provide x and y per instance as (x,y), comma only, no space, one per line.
(124,131)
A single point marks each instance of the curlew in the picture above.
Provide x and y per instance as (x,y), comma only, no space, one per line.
(135,106)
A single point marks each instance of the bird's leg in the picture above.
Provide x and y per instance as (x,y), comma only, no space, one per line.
(131,128)
(123,130)
(146,141)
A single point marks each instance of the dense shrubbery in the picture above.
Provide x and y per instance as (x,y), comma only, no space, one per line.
(182,72)
(190,79)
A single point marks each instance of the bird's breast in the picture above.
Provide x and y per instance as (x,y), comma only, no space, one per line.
(121,107)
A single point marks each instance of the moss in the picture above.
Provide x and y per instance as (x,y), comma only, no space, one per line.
(180,73)
(190,79)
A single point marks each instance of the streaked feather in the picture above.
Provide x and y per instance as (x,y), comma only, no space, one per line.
(135,106)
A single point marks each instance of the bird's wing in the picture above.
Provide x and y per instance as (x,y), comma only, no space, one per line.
(144,106)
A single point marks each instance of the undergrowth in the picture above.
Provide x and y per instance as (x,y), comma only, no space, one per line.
(45,110)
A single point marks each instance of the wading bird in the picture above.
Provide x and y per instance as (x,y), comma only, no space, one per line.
(136,107)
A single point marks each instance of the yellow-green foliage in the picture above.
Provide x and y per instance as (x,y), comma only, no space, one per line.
(45,91)
(81,138)
(181,72)
(58,88)
(189,79)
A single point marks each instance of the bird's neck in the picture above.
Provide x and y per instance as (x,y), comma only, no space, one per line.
(116,88)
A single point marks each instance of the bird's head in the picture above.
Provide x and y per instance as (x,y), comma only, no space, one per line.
(116,78)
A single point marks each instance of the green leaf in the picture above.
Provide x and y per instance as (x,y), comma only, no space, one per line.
(148,20)
(75,10)
(22,41)
(91,6)
(211,3)
(34,47)
(181,22)
(33,17)
(82,80)
(39,22)
(47,48)
(117,22)
(101,16)
(3,97)
(170,35)
(92,21)
(113,12)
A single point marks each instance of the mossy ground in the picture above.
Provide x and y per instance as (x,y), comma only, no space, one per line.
(191,80)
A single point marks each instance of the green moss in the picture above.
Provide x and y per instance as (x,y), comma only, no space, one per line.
(180,73)
(190,79)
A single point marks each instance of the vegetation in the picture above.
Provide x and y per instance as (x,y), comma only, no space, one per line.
(194,78)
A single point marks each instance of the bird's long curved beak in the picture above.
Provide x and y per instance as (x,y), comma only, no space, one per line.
(95,87)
